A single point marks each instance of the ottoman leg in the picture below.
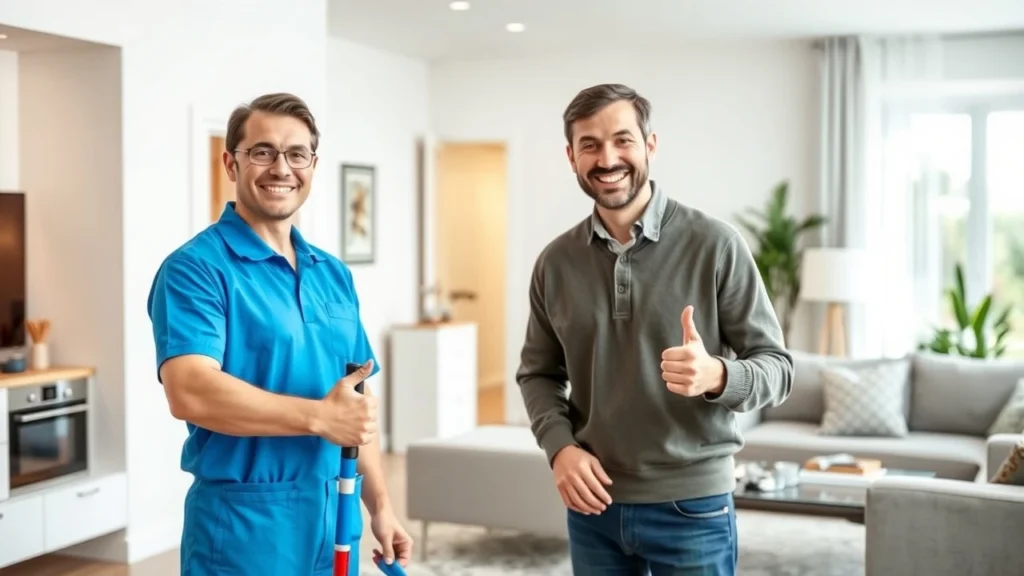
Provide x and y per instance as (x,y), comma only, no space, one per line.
(423,541)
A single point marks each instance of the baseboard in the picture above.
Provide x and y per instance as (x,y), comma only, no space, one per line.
(109,548)
(162,538)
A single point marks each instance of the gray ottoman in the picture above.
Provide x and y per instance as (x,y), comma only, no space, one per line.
(493,476)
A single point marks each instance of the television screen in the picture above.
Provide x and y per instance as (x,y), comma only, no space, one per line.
(12,270)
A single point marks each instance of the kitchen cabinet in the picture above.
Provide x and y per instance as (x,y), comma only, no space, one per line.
(51,519)
(21,529)
(94,507)
(5,472)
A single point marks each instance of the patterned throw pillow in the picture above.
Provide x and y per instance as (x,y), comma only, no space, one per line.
(865,401)
(1011,471)
(1011,417)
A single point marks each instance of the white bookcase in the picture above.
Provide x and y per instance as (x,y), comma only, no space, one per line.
(433,382)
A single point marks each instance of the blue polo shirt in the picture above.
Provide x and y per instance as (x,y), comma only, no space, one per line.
(227,295)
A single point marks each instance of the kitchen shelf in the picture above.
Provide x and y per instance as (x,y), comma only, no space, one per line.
(35,377)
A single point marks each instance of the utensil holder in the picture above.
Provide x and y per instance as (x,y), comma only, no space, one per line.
(40,359)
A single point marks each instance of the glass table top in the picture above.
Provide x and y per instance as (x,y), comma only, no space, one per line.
(820,494)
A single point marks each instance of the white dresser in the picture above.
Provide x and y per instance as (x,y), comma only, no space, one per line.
(433,382)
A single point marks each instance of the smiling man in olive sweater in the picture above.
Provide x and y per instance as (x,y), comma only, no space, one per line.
(657,316)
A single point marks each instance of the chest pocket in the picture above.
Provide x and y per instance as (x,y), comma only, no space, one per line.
(341,327)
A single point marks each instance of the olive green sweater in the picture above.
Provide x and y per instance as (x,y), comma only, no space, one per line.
(600,320)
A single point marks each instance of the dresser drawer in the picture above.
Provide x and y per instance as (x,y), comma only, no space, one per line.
(98,506)
(21,529)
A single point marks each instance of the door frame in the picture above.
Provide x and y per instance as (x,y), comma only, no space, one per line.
(202,125)
(517,270)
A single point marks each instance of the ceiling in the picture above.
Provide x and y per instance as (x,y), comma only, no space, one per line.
(429,30)
(22,40)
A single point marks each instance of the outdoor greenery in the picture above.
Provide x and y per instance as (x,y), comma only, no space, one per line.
(778,253)
(1007,241)
(975,334)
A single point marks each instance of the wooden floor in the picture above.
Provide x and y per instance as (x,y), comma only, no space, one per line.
(491,410)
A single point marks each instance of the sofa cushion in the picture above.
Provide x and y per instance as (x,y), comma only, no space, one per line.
(954,456)
(959,395)
(806,402)
(1011,418)
(866,401)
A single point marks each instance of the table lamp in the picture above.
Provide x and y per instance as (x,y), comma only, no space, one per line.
(835,276)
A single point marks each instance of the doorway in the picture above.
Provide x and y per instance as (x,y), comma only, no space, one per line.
(222,190)
(470,258)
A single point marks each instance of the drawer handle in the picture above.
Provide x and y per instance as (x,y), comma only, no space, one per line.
(85,493)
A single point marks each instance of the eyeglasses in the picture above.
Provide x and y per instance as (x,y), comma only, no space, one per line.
(297,158)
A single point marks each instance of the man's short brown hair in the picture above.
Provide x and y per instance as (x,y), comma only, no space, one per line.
(591,100)
(278,103)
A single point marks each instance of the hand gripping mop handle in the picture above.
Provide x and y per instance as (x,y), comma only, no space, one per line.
(350,520)
(346,536)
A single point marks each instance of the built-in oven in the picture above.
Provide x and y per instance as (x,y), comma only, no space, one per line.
(48,428)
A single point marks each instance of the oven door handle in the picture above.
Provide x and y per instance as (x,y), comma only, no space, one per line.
(50,413)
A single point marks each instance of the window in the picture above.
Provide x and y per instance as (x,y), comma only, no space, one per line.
(968,208)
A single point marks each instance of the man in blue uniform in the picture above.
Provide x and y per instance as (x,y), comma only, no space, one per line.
(253,329)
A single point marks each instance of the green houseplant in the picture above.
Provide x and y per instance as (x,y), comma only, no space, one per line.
(975,335)
(778,253)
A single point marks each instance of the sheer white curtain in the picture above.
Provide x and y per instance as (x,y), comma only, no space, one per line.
(901,78)
(841,196)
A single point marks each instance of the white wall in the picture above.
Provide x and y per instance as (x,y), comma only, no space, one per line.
(378,110)
(175,55)
(8,120)
(732,120)
(70,166)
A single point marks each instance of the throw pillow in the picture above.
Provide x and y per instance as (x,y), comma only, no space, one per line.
(865,401)
(1011,418)
(1011,470)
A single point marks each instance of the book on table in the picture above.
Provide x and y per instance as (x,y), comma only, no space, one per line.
(841,469)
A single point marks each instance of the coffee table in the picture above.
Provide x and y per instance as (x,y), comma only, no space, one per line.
(836,501)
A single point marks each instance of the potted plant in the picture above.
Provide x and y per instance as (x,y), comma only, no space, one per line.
(974,335)
(778,253)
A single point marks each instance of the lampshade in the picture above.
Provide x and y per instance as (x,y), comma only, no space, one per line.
(835,275)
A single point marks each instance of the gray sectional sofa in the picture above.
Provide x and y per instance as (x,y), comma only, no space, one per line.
(497,476)
(950,405)
(957,524)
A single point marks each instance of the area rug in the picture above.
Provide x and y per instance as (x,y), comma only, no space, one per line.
(770,545)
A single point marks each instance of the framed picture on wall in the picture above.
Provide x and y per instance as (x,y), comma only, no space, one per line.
(358,213)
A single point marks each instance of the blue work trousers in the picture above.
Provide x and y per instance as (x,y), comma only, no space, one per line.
(265,529)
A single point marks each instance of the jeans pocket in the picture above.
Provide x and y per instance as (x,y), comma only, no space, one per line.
(255,526)
(706,508)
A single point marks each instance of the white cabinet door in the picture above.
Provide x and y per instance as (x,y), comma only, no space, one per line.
(21,529)
(85,510)
(3,416)
(5,472)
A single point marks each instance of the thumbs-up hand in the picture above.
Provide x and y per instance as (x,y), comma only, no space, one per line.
(689,370)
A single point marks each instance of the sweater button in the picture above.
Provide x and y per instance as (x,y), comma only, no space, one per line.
(622,289)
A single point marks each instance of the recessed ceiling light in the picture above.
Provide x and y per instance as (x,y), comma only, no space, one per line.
(515,27)
(459,6)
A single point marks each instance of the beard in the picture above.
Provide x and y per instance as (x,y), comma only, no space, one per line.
(625,190)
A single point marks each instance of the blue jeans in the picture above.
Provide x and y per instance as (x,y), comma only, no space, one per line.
(681,538)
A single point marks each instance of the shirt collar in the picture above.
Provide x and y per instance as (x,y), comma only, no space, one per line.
(649,223)
(245,243)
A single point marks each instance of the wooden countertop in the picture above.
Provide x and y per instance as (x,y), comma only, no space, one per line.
(31,377)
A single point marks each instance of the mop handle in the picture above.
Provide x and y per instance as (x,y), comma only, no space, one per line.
(346,542)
